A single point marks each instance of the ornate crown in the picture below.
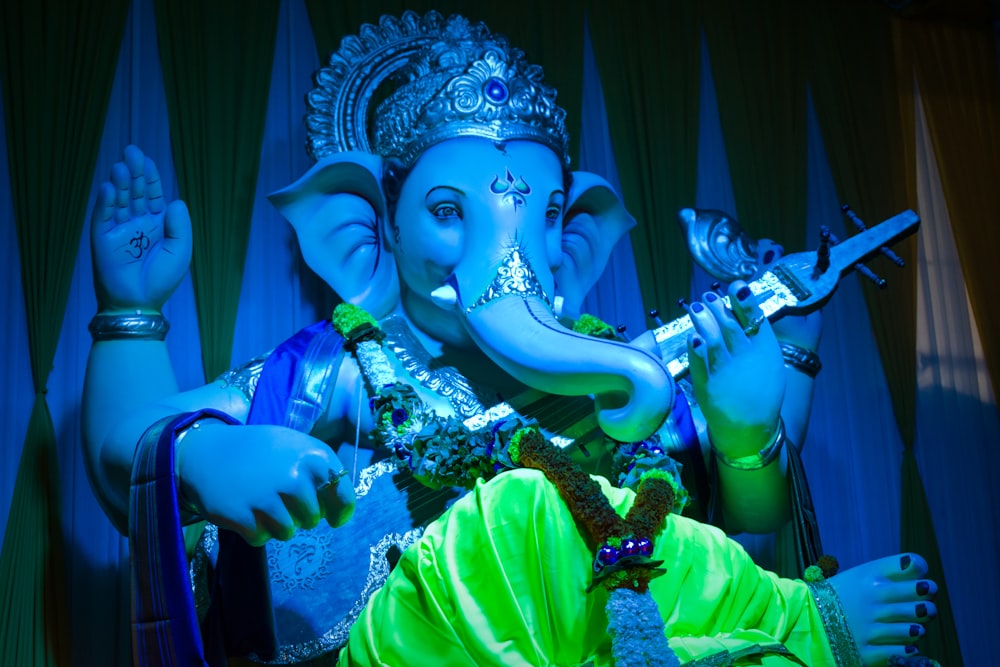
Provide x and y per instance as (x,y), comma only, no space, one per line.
(438,79)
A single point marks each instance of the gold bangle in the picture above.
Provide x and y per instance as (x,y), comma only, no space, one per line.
(761,459)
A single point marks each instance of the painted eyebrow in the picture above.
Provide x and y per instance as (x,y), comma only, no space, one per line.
(443,187)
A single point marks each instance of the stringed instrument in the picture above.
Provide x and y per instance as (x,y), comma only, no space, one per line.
(322,578)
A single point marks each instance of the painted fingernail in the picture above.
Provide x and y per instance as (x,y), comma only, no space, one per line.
(921,610)
(923,588)
(743,293)
(710,297)
(696,342)
(904,562)
(910,648)
(696,307)
(915,630)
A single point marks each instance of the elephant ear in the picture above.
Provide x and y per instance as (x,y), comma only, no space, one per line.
(337,209)
(595,221)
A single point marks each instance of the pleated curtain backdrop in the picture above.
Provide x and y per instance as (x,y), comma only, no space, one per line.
(57,67)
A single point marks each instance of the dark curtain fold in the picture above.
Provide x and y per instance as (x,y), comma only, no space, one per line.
(857,100)
(552,38)
(216,58)
(757,52)
(58,62)
(956,70)
(649,60)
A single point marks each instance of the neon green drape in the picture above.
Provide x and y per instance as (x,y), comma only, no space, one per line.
(57,62)
(216,59)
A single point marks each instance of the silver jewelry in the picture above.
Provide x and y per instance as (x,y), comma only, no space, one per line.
(245,377)
(514,277)
(452,78)
(754,327)
(761,459)
(444,380)
(137,326)
(801,359)
(332,478)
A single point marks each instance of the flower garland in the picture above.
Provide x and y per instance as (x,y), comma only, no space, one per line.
(444,451)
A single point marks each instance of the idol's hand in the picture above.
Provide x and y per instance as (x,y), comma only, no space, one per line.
(141,247)
(737,371)
(262,482)
(799,330)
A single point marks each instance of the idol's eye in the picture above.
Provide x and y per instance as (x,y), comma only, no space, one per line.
(553,212)
(446,211)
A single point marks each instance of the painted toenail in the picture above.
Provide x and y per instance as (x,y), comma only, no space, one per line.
(914,630)
(910,648)
(710,297)
(921,610)
(697,307)
(743,293)
(904,562)
(923,588)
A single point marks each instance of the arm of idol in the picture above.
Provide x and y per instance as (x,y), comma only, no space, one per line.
(739,382)
(261,481)
(799,337)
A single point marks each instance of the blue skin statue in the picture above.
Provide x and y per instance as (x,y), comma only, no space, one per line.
(450,229)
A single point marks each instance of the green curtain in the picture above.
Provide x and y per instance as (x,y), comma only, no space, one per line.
(649,59)
(217,59)
(57,62)
(757,52)
(552,37)
(857,103)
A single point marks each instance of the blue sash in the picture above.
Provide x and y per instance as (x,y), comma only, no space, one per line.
(164,625)
(165,628)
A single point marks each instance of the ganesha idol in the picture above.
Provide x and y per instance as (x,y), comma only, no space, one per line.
(402,484)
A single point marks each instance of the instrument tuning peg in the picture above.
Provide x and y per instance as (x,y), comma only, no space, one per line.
(853,217)
(870,275)
(654,315)
(823,252)
(717,288)
(683,305)
(621,333)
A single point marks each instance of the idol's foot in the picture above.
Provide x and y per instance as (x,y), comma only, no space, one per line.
(886,602)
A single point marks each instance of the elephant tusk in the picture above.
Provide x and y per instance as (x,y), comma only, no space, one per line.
(445,297)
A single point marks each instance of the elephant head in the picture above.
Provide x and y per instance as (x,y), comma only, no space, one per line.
(474,244)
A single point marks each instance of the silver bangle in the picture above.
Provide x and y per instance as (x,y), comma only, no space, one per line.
(137,326)
(761,459)
(801,359)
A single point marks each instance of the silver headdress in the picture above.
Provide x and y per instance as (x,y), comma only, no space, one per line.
(438,79)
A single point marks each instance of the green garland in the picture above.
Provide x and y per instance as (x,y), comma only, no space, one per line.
(443,451)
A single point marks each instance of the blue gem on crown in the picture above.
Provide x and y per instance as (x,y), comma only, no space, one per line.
(496,91)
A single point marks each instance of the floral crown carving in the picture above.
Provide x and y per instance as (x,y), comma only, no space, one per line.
(437,79)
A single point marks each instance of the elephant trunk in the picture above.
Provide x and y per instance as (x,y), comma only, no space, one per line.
(634,390)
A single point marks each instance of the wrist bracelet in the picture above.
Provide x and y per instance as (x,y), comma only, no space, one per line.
(761,459)
(135,326)
(801,359)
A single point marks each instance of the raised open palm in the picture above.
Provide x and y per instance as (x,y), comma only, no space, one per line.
(141,246)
